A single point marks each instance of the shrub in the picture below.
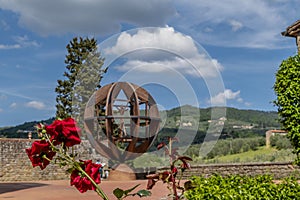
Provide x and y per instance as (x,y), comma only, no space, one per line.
(287,89)
(280,142)
(242,187)
(234,146)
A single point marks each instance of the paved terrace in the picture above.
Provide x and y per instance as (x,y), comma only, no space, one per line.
(61,190)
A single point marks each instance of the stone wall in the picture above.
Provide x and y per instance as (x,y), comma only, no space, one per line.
(277,170)
(16,166)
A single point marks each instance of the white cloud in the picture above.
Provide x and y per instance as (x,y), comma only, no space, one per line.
(248,104)
(159,49)
(163,38)
(8,92)
(1,110)
(24,41)
(88,17)
(21,42)
(36,105)
(240,100)
(236,25)
(251,23)
(13,46)
(13,105)
(228,94)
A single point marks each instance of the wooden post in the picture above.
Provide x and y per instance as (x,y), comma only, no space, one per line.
(298,42)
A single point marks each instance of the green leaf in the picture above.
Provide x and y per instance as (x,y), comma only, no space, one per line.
(131,189)
(144,193)
(70,170)
(118,193)
(287,89)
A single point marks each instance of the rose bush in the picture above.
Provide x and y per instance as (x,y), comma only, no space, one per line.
(56,140)
(178,164)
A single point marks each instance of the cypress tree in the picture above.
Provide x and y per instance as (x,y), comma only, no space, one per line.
(82,77)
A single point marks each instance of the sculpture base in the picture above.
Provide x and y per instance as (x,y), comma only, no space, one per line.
(121,173)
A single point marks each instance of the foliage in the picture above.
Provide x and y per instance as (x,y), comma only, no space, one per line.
(287,89)
(234,117)
(261,155)
(260,122)
(229,146)
(122,194)
(21,131)
(242,187)
(261,119)
(56,147)
(280,142)
(149,159)
(83,76)
(178,164)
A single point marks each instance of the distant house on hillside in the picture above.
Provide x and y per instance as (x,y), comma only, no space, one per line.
(27,132)
(219,121)
(187,124)
(243,126)
(184,124)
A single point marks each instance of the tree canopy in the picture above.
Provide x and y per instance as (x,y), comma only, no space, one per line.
(287,89)
(82,77)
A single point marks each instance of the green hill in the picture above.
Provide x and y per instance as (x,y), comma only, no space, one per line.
(235,116)
(21,131)
(238,123)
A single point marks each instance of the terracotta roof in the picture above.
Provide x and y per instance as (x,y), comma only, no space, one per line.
(277,131)
(293,30)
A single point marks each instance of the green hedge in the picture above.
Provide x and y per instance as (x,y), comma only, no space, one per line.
(242,187)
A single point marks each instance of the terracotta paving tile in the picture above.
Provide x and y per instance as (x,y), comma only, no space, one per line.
(61,190)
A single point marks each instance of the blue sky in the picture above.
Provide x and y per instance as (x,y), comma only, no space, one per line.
(242,38)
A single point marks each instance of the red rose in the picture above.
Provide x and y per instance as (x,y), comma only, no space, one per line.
(81,182)
(64,131)
(36,154)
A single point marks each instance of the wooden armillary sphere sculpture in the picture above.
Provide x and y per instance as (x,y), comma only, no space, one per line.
(121,120)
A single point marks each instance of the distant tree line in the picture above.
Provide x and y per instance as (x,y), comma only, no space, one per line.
(259,119)
(229,146)
(21,131)
(240,145)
